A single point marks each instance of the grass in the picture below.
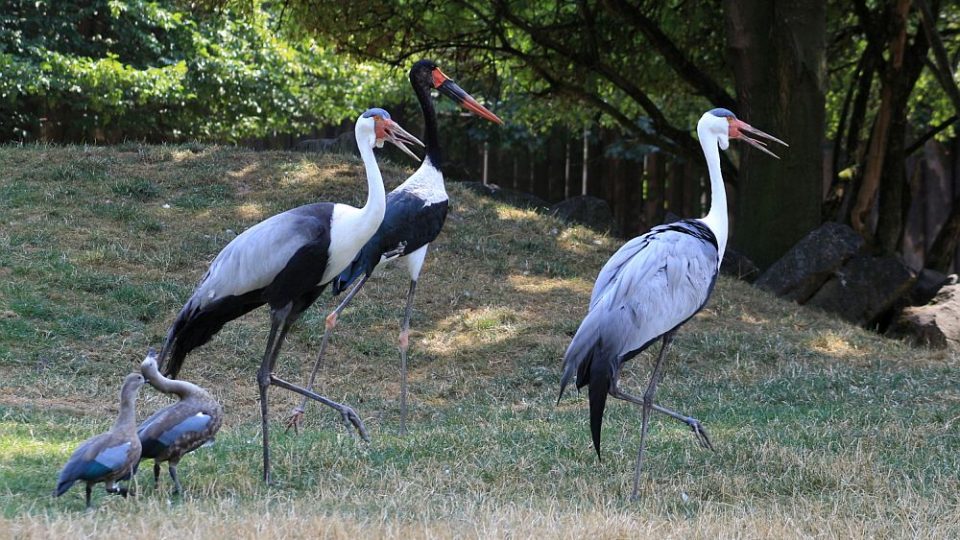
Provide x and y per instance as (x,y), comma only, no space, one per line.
(822,429)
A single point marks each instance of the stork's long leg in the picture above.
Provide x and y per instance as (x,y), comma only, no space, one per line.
(156,474)
(647,406)
(404,345)
(331,322)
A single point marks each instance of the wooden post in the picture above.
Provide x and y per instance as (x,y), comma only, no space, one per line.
(586,157)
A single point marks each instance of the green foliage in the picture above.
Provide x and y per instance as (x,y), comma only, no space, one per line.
(131,69)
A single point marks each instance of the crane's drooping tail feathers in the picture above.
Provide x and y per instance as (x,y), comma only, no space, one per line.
(586,357)
(194,326)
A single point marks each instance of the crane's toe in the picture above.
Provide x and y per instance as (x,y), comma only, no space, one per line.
(351,417)
(700,433)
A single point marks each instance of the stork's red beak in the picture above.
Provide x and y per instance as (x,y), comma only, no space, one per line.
(450,89)
(739,130)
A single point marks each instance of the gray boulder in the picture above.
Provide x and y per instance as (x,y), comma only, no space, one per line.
(593,212)
(864,289)
(936,324)
(811,262)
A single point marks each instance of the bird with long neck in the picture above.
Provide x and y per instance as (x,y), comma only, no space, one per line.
(416,211)
(285,262)
(650,287)
(176,430)
(110,456)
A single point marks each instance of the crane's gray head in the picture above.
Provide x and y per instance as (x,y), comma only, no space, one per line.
(724,125)
(375,126)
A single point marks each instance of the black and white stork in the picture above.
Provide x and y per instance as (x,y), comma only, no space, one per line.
(416,211)
(286,261)
(650,287)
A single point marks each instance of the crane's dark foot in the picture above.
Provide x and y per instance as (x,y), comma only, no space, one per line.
(351,417)
(293,421)
(700,433)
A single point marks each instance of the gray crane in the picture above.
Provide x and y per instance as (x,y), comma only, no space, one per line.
(650,287)
(286,261)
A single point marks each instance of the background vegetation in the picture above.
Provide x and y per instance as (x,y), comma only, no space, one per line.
(856,86)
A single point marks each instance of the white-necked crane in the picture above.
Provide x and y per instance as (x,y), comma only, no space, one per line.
(416,211)
(650,287)
(286,261)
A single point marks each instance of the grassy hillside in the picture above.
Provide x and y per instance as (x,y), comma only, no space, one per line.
(821,428)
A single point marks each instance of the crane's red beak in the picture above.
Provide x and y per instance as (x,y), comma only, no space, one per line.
(450,89)
(390,131)
(739,130)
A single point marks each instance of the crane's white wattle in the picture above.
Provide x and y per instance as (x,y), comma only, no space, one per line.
(712,132)
(350,227)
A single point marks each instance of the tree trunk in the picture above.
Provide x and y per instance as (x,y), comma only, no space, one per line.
(777,50)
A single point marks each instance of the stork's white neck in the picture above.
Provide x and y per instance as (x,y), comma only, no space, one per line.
(375,206)
(716,218)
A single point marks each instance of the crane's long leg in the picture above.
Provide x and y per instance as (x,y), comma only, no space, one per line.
(331,322)
(647,406)
(296,416)
(404,345)
(699,431)
(277,320)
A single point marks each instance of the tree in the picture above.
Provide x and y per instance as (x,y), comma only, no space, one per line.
(777,50)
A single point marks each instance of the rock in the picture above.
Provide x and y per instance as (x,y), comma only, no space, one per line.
(506,195)
(864,288)
(593,212)
(928,283)
(936,324)
(811,262)
(736,264)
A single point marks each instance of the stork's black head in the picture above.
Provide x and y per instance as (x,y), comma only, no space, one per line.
(421,74)
(426,74)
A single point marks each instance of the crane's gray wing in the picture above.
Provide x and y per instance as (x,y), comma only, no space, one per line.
(649,286)
(252,260)
(666,280)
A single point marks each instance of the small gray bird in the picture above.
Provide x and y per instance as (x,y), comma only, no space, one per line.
(175,431)
(110,456)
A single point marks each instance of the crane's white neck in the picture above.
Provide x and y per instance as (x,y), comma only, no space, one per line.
(376,197)
(716,218)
